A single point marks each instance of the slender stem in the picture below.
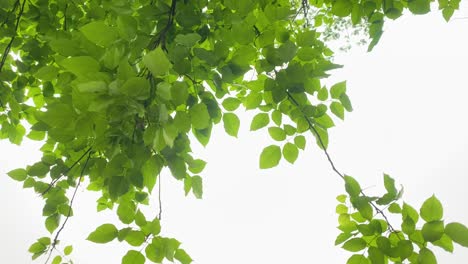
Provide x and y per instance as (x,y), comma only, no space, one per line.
(332,164)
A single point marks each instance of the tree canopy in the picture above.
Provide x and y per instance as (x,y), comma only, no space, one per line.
(117,90)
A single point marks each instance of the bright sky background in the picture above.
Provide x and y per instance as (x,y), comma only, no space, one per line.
(409,97)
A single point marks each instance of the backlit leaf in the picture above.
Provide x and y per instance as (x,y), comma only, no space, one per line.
(270,157)
(103,234)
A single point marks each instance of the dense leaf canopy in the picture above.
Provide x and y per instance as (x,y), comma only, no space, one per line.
(117,90)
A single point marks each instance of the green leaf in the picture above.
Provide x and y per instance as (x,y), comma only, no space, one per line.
(419,7)
(259,121)
(126,211)
(199,116)
(405,248)
(81,65)
(68,250)
(155,251)
(136,87)
(47,73)
(376,256)
(426,256)
(153,227)
(344,99)
(355,244)
(447,13)
(433,231)
(352,186)
(408,225)
(197,166)
(389,184)
(444,242)
(338,89)
(270,157)
(431,210)
(18,174)
(458,233)
(357,259)
(182,256)
(231,124)
(150,170)
(140,219)
(135,238)
(300,142)
(410,212)
(342,238)
(231,103)
(277,133)
(99,33)
(157,62)
(322,94)
(118,186)
(197,186)
(38,169)
(103,234)
(394,208)
(290,152)
(57,260)
(133,257)
(337,109)
(277,117)
(342,8)
(52,222)
(188,40)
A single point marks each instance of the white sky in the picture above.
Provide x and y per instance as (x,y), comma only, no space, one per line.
(409,97)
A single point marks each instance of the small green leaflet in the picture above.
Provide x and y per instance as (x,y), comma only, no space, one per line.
(433,231)
(426,256)
(197,186)
(337,109)
(445,242)
(431,210)
(52,222)
(338,89)
(352,186)
(199,116)
(18,174)
(57,260)
(157,62)
(182,256)
(126,211)
(355,244)
(99,33)
(81,65)
(290,152)
(68,250)
(357,259)
(231,103)
(150,171)
(259,121)
(133,257)
(270,157)
(277,133)
(231,124)
(103,234)
(300,142)
(458,233)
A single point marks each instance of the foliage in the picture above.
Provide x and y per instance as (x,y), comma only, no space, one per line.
(117,90)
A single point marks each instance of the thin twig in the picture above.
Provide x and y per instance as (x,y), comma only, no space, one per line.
(314,130)
(159,197)
(52,183)
(161,38)
(8,47)
(54,242)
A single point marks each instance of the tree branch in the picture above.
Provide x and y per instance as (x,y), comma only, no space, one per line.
(53,182)
(332,164)
(55,241)
(18,19)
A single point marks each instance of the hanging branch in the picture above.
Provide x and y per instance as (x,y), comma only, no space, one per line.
(55,241)
(18,19)
(159,197)
(332,164)
(161,36)
(53,182)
